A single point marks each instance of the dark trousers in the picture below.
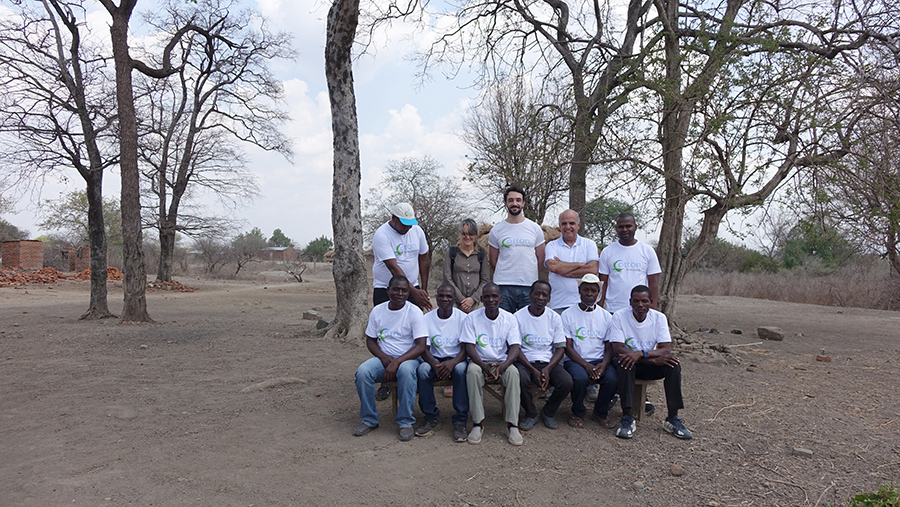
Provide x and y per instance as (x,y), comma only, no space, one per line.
(380,296)
(559,379)
(643,371)
(608,385)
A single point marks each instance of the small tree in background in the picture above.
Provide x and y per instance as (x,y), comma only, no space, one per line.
(317,248)
(69,215)
(279,239)
(245,246)
(598,221)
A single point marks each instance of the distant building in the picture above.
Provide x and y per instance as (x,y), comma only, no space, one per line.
(26,253)
(278,253)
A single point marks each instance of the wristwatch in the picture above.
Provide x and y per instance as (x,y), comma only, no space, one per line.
(646,354)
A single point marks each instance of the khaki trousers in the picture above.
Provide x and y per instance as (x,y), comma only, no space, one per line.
(475,387)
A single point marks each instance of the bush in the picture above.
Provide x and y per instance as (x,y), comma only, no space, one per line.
(886,496)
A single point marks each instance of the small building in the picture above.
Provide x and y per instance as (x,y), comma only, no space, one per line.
(278,253)
(26,253)
(78,259)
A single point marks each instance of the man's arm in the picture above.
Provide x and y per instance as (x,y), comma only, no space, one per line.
(653,283)
(390,371)
(604,282)
(494,253)
(424,269)
(511,356)
(473,355)
(575,356)
(372,345)
(539,253)
(393,267)
(572,269)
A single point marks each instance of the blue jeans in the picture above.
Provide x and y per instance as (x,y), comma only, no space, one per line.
(514,297)
(428,404)
(372,371)
(580,380)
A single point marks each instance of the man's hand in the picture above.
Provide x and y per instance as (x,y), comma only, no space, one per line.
(467,304)
(628,359)
(443,370)
(596,373)
(390,371)
(488,369)
(666,360)
(545,378)
(420,296)
(386,361)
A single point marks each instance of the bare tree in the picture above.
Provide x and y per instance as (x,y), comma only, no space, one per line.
(439,203)
(349,267)
(222,92)
(55,115)
(517,138)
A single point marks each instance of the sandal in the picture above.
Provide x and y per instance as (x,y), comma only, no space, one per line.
(576,422)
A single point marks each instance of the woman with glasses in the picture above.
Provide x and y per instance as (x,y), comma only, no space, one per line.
(467,268)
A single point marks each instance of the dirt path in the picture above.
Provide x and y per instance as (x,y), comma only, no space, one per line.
(100,413)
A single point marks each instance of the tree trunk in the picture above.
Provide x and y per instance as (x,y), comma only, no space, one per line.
(135,283)
(892,253)
(166,250)
(99,306)
(349,267)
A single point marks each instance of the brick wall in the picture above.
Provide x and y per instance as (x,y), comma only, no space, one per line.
(78,259)
(25,253)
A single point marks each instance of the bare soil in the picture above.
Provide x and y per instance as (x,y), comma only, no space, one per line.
(229,398)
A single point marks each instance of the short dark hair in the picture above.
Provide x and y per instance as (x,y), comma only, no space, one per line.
(513,188)
(626,214)
(446,285)
(397,278)
(490,285)
(540,282)
(641,288)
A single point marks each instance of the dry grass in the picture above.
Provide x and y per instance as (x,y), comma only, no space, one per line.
(862,287)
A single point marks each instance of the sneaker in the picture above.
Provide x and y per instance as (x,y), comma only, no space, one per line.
(626,427)
(427,427)
(406,433)
(362,428)
(593,391)
(459,433)
(515,438)
(613,402)
(527,423)
(382,393)
(548,421)
(676,427)
(475,435)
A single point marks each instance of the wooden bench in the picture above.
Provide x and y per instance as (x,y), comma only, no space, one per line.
(640,394)
(494,388)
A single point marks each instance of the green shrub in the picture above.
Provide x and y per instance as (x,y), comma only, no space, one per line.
(886,496)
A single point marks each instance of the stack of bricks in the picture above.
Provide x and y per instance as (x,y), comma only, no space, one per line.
(28,254)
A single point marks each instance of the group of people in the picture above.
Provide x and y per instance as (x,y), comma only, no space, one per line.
(594,322)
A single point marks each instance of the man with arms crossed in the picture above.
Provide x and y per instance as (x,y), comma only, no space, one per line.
(587,328)
(625,264)
(516,250)
(491,335)
(443,358)
(569,257)
(642,344)
(395,335)
(543,346)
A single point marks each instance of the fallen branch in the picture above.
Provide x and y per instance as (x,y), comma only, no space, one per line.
(273,382)
(731,406)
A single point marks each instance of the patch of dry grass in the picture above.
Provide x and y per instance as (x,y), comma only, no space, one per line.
(862,287)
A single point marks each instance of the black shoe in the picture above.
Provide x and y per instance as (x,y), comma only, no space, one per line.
(406,434)
(459,433)
(527,423)
(626,427)
(382,393)
(362,429)
(427,427)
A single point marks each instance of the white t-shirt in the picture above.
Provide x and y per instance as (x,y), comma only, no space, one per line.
(443,334)
(492,338)
(627,267)
(517,262)
(565,289)
(406,248)
(588,331)
(540,334)
(396,330)
(639,335)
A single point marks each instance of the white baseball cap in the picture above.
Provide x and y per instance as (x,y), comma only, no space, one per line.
(404,212)
(589,278)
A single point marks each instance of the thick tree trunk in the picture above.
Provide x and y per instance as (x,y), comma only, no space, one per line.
(350,280)
(892,253)
(99,306)
(166,250)
(135,283)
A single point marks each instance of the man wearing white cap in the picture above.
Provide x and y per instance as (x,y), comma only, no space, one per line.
(400,248)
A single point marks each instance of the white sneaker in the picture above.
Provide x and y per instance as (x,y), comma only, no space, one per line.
(475,435)
(515,438)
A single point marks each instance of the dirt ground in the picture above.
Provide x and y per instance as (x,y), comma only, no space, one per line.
(171,413)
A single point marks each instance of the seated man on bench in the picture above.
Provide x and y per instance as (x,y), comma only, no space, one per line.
(640,338)
(444,359)
(491,335)
(395,335)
